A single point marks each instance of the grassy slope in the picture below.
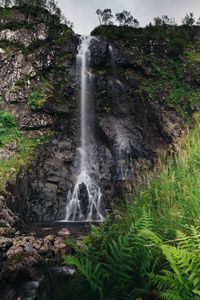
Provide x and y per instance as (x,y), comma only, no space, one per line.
(173,55)
(23,151)
(116,258)
(9,132)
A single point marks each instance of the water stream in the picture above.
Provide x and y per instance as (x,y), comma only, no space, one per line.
(84,202)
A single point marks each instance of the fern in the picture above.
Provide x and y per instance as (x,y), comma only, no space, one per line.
(183,278)
(93,274)
(125,262)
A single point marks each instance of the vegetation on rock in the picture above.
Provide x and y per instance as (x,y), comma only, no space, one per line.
(152,248)
(148,248)
(39,95)
(22,148)
(124,18)
(8,128)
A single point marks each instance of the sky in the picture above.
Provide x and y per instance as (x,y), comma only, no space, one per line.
(82,12)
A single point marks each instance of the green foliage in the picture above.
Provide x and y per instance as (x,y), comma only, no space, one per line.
(25,146)
(174,193)
(105,16)
(176,46)
(170,83)
(8,128)
(121,264)
(23,153)
(51,5)
(169,39)
(189,19)
(7,120)
(126,19)
(193,56)
(48,10)
(39,95)
(182,279)
(7,14)
(140,254)
(118,32)
(163,21)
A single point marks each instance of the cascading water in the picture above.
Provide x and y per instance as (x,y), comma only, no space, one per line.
(84,202)
(122,146)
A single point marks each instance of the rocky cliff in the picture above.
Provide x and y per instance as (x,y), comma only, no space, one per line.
(38,85)
(142,98)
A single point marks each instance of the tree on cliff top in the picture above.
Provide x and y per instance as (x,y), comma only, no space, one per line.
(189,19)
(126,19)
(198,21)
(5,3)
(51,5)
(164,20)
(105,16)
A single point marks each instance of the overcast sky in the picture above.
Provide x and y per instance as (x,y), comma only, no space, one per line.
(82,12)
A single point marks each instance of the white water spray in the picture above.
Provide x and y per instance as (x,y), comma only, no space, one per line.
(84,202)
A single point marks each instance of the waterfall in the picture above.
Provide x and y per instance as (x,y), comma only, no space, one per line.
(121,142)
(84,202)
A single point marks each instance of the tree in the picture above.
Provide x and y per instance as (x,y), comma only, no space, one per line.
(198,21)
(105,16)
(157,21)
(52,6)
(6,3)
(189,20)
(164,20)
(125,18)
(65,21)
(40,3)
(135,23)
(99,13)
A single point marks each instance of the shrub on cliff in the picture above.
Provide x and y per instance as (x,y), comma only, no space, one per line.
(8,128)
(31,6)
(39,95)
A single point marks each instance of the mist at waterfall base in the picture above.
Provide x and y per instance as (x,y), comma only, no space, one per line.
(84,202)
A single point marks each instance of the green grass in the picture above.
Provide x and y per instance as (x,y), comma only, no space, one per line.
(141,254)
(23,154)
(193,56)
(173,196)
(8,128)
(9,133)
(170,82)
(39,95)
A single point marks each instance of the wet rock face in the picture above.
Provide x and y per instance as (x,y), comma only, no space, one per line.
(43,188)
(7,217)
(83,198)
(99,55)
(128,131)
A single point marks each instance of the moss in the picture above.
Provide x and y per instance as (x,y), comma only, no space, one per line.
(6,14)
(9,132)
(170,83)
(193,56)
(64,36)
(40,94)
(8,45)
(23,154)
